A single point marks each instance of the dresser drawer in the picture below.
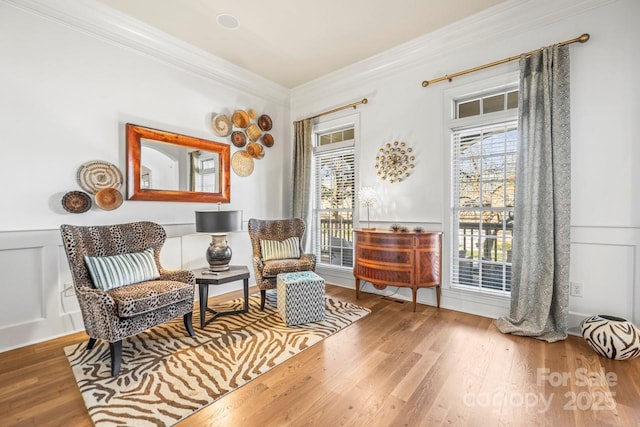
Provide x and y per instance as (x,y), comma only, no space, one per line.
(389,240)
(383,276)
(377,254)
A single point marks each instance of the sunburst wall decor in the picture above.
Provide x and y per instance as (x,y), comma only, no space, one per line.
(394,161)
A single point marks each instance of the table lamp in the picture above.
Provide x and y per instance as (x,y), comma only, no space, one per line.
(368,198)
(218,224)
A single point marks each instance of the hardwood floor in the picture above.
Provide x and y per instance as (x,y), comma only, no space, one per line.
(392,368)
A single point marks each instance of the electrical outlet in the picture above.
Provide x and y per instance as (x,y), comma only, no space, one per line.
(576,289)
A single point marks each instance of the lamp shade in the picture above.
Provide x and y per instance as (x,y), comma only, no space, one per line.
(218,221)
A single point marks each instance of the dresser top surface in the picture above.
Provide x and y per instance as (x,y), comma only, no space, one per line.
(382,231)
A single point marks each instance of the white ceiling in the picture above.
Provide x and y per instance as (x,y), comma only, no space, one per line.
(292,42)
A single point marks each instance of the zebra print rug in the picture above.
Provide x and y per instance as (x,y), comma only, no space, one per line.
(167,375)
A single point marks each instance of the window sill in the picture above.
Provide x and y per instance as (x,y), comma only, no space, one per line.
(480,291)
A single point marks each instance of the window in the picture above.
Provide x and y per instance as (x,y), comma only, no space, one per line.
(483,192)
(333,198)
(488,104)
(203,171)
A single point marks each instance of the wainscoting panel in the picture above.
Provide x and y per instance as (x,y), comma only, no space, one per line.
(23,286)
(605,274)
(606,262)
(33,275)
(68,301)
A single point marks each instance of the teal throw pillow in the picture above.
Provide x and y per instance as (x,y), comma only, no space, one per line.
(109,272)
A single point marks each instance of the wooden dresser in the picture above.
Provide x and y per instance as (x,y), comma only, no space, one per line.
(407,259)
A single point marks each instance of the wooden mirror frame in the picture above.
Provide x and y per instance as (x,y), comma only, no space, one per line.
(135,134)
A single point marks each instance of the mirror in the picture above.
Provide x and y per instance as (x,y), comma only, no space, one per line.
(165,166)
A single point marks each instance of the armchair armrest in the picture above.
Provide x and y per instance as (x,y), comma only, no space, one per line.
(184,276)
(311,258)
(99,312)
(258,266)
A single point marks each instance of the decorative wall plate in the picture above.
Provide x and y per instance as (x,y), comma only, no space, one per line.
(76,202)
(96,175)
(222,125)
(240,119)
(255,150)
(108,199)
(267,140)
(394,161)
(242,163)
(253,132)
(265,122)
(238,138)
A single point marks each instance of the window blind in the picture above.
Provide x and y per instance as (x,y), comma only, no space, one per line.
(334,195)
(483,201)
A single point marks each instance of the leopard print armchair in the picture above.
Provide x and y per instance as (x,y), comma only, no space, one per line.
(118,313)
(267,271)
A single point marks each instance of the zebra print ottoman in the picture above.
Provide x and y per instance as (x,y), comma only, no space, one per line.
(300,297)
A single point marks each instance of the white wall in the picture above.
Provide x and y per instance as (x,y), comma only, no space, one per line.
(65,97)
(605,155)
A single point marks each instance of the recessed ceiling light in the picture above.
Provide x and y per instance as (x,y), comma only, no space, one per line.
(228,22)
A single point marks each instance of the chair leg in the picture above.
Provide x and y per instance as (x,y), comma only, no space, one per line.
(188,323)
(92,342)
(116,357)
(263,297)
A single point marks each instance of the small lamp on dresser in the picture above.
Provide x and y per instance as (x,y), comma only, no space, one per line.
(218,224)
(368,198)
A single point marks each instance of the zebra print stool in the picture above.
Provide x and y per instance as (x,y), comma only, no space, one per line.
(300,297)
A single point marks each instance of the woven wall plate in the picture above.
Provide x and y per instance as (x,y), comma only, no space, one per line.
(96,175)
(242,163)
(108,199)
(253,132)
(255,150)
(265,123)
(221,125)
(238,138)
(240,119)
(76,202)
(267,140)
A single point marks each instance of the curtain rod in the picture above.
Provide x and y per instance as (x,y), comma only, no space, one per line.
(582,39)
(353,104)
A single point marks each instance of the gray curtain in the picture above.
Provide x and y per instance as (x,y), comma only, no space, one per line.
(302,153)
(540,273)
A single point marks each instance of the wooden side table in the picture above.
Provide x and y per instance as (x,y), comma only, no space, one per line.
(204,278)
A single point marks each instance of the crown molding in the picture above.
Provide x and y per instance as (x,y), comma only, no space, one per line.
(494,24)
(101,21)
